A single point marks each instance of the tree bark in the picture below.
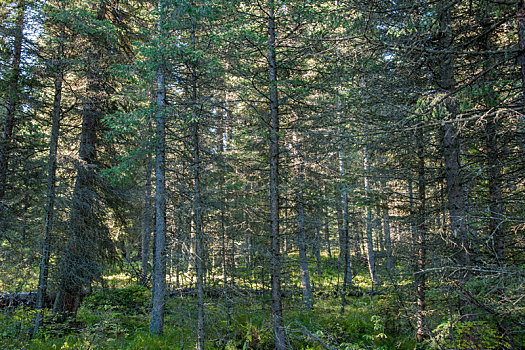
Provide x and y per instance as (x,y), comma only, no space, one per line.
(344,229)
(420,277)
(222,144)
(520,21)
(495,207)
(277,312)
(455,191)
(318,249)
(369,239)
(388,238)
(197,204)
(325,224)
(451,142)
(156,325)
(496,228)
(146,229)
(303,259)
(199,249)
(344,254)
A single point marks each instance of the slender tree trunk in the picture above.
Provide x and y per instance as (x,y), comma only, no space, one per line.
(521,54)
(345,246)
(325,224)
(520,21)
(277,311)
(12,103)
(496,225)
(340,229)
(156,325)
(343,220)
(232,254)
(420,276)
(192,244)
(412,213)
(495,206)
(222,142)
(146,229)
(197,209)
(388,238)
(50,188)
(303,259)
(455,191)
(369,239)
(380,241)
(318,249)
(227,302)
(197,202)
(387,232)
(286,239)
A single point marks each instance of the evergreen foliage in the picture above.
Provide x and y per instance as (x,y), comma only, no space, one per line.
(344,174)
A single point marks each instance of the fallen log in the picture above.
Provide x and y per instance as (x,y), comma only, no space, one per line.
(14,300)
(27,299)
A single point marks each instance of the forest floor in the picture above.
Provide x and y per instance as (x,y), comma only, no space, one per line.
(117,317)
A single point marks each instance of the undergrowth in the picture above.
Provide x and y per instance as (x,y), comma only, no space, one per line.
(118,318)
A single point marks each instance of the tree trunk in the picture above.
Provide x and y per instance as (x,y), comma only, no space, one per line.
(344,254)
(456,195)
(50,188)
(412,214)
(496,223)
(496,228)
(369,239)
(156,325)
(325,224)
(387,237)
(222,142)
(318,249)
(12,102)
(82,261)
(380,241)
(420,277)
(277,312)
(521,54)
(199,249)
(197,204)
(455,191)
(345,246)
(146,229)
(303,259)
(520,21)
(451,144)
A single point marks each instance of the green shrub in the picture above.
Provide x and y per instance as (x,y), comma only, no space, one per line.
(134,299)
(251,331)
(471,335)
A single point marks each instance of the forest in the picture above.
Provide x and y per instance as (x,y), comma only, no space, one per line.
(262,174)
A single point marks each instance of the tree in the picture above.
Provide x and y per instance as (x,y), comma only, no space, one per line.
(277,312)
(88,245)
(51,176)
(303,259)
(12,102)
(159,269)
